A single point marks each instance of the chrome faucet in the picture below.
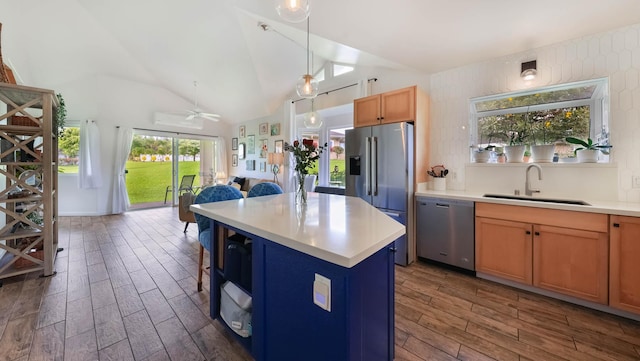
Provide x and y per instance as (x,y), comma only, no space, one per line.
(527,184)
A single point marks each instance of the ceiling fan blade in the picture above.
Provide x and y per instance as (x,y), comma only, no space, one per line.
(190,116)
(212,115)
(209,117)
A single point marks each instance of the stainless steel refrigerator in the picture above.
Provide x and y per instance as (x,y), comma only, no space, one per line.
(380,170)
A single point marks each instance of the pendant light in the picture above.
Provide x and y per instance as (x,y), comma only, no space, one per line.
(307,85)
(312,119)
(294,11)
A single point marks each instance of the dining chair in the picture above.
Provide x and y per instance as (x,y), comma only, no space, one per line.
(210,194)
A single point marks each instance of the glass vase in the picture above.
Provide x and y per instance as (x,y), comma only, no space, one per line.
(301,191)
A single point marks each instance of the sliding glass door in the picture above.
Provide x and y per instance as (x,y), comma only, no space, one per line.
(163,165)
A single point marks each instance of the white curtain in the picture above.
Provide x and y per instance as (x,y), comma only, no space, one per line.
(120,200)
(363,88)
(89,171)
(221,158)
(289,117)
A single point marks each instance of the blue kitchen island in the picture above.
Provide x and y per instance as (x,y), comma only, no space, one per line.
(322,275)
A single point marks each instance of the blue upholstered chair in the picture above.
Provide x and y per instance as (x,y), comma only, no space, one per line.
(264,189)
(210,194)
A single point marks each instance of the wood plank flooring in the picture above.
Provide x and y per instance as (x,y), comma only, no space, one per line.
(126,290)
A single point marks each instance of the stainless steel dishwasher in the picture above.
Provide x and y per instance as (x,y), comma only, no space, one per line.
(445,231)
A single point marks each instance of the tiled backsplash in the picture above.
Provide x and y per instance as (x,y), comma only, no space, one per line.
(587,181)
(614,54)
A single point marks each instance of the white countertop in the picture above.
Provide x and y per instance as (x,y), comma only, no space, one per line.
(338,229)
(606,207)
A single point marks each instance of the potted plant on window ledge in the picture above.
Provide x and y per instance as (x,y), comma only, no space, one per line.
(516,148)
(588,150)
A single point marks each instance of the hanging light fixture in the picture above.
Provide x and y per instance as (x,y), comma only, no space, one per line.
(294,11)
(307,85)
(312,119)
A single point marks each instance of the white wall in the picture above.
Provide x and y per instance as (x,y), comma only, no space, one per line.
(614,54)
(115,102)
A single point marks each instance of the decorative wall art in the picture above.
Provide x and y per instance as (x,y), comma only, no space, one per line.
(234,143)
(264,128)
(243,131)
(263,166)
(264,148)
(275,129)
(234,160)
(251,144)
(279,148)
(241,148)
(251,164)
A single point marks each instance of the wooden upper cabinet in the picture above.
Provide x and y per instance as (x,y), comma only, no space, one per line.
(390,107)
(624,288)
(366,111)
(398,106)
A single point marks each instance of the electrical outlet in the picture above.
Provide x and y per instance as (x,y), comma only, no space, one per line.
(635,182)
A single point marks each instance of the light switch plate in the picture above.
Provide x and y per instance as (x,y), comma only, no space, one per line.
(322,292)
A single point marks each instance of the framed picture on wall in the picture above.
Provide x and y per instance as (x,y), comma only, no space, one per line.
(251,144)
(234,143)
(264,128)
(234,160)
(241,150)
(275,129)
(264,148)
(263,166)
(279,146)
(251,164)
(243,131)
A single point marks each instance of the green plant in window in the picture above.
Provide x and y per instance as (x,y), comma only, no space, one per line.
(588,145)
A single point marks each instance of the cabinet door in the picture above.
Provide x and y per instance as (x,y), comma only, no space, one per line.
(366,111)
(399,105)
(503,249)
(624,263)
(570,261)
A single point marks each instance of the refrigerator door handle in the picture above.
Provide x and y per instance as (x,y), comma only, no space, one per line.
(367,166)
(374,165)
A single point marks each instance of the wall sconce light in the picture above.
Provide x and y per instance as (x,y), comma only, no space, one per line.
(529,70)
(276,160)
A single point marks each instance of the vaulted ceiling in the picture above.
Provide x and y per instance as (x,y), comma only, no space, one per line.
(245,72)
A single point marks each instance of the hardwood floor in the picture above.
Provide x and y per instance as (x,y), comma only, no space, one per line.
(125,290)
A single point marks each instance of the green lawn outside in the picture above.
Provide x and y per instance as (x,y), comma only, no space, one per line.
(147,181)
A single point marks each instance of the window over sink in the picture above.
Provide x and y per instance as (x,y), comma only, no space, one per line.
(542,116)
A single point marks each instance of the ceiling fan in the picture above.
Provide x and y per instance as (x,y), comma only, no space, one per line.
(197,112)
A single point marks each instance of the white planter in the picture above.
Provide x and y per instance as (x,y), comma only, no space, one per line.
(514,153)
(482,157)
(439,184)
(588,155)
(542,153)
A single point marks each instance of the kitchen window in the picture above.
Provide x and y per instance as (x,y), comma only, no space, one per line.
(542,116)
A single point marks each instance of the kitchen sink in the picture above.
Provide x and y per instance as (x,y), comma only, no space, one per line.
(537,199)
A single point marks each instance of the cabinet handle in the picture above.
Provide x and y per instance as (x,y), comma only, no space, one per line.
(617,225)
(392,249)
(527,232)
(381,118)
(537,233)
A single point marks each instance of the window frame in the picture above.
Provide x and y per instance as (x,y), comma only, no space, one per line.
(598,103)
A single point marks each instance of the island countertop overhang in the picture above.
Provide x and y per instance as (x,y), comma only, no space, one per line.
(338,229)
